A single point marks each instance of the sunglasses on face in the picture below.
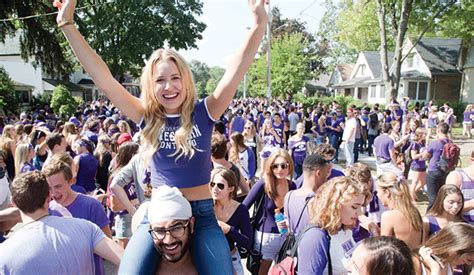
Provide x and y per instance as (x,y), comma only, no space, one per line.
(221,186)
(247,127)
(280,165)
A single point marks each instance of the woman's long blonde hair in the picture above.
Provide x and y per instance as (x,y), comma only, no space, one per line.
(21,156)
(326,205)
(400,196)
(269,177)
(155,116)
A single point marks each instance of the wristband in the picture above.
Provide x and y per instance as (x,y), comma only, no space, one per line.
(65,23)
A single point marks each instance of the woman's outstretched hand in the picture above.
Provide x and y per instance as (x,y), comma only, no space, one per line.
(66,10)
(258,10)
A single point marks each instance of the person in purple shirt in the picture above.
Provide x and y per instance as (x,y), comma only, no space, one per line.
(68,203)
(417,173)
(87,164)
(279,129)
(297,148)
(468,118)
(237,123)
(334,210)
(23,158)
(436,178)
(335,132)
(271,188)
(384,152)
(316,170)
(233,217)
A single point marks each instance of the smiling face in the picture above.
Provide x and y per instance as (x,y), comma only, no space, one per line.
(60,188)
(351,210)
(169,86)
(452,203)
(173,249)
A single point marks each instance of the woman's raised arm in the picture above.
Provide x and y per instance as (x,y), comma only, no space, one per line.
(94,65)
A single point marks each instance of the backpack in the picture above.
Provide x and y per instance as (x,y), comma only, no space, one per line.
(288,265)
(449,157)
(290,240)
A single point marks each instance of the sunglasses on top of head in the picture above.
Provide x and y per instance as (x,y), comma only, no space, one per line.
(221,186)
(281,165)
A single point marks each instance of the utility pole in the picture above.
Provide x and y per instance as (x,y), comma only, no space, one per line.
(269,41)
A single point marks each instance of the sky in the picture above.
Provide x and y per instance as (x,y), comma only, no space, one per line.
(227,22)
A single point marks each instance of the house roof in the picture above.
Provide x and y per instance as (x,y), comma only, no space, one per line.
(71,86)
(414,74)
(441,55)
(23,85)
(373,61)
(357,81)
(345,70)
(321,82)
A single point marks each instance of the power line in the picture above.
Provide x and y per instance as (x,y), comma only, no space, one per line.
(48,14)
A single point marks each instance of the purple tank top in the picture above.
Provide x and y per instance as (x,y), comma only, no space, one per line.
(467,189)
(88,166)
(434,226)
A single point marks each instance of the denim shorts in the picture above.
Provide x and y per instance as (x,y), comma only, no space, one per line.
(271,244)
(123,226)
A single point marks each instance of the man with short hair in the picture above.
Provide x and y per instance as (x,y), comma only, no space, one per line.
(171,227)
(68,203)
(384,151)
(348,136)
(435,178)
(56,144)
(50,245)
(316,170)
(293,119)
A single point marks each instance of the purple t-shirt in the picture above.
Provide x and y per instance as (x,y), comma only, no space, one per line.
(27,167)
(238,124)
(279,131)
(417,164)
(296,206)
(467,116)
(88,166)
(312,252)
(435,149)
(87,208)
(383,144)
(184,172)
(299,149)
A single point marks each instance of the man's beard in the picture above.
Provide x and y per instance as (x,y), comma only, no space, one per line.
(183,244)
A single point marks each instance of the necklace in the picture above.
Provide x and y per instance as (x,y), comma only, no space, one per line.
(38,219)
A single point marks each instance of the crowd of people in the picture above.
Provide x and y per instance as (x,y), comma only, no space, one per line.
(169,184)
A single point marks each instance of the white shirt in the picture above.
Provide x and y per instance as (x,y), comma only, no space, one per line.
(350,126)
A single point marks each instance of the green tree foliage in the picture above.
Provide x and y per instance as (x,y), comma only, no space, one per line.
(201,74)
(215,73)
(62,102)
(326,38)
(8,98)
(289,67)
(123,32)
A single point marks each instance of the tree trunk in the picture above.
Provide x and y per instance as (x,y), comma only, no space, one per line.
(392,78)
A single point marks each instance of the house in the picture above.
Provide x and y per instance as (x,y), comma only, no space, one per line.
(467,65)
(429,71)
(319,86)
(30,80)
(366,74)
(341,73)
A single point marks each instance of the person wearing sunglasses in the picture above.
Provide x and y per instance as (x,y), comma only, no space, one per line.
(271,188)
(232,217)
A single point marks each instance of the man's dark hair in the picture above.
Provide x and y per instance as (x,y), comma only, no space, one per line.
(218,146)
(443,127)
(313,162)
(30,191)
(386,128)
(219,126)
(54,139)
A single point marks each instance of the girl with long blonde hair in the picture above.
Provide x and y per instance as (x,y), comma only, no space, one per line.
(403,220)
(23,158)
(8,144)
(334,211)
(176,131)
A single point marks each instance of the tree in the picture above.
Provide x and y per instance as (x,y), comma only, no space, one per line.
(215,73)
(8,98)
(123,32)
(289,67)
(201,75)
(62,102)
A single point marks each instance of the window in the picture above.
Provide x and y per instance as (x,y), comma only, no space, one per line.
(24,96)
(372,92)
(418,90)
(382,91)
(360,70)
(412,88)
(410,60)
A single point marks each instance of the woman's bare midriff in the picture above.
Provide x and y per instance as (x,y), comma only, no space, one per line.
(197,193)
